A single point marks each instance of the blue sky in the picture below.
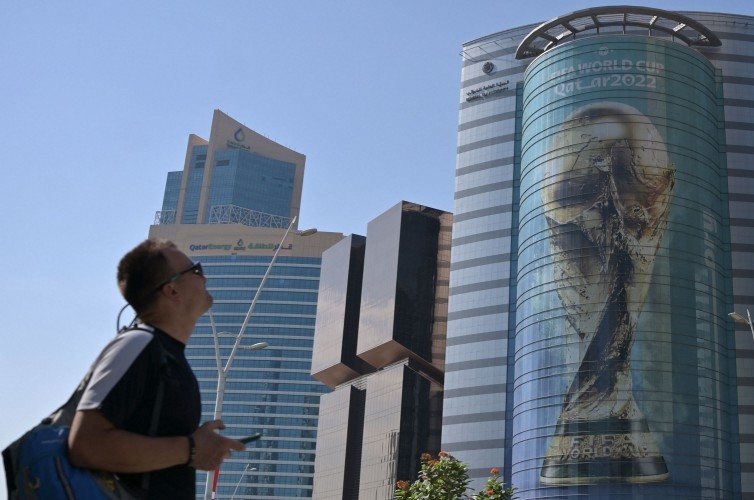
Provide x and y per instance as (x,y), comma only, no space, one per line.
(98,99)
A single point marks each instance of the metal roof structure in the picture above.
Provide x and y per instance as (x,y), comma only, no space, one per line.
(565,28)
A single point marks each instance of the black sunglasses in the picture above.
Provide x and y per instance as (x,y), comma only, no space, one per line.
(195,269)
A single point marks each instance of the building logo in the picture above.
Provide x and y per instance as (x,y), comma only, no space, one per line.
(239,137)
(240,245)
(603,51)
(210,246)
(487,90)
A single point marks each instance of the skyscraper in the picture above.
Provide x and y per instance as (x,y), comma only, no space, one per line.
(237,176)
(229,209)
(380,344)
(604,209)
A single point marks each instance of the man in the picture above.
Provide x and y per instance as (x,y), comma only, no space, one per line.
(111,428)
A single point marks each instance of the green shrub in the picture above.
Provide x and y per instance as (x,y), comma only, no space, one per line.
(447,478)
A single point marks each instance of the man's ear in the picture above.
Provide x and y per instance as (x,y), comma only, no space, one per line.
(170,291)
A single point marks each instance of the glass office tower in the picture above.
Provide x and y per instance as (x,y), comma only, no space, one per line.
(380,344)
(603,232)
(238,176)
(229,209)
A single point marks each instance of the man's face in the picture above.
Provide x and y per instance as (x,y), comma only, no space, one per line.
(191,285)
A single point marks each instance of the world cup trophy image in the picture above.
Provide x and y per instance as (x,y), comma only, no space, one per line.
(608,188)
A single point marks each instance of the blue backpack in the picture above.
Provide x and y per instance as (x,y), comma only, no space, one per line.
(37,464)
(46,473)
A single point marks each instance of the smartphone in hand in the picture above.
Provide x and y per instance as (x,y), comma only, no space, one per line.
(251,438)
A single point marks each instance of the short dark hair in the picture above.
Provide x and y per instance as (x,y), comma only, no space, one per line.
(141,270)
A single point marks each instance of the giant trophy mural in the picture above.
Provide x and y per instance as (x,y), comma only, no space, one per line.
(608,185)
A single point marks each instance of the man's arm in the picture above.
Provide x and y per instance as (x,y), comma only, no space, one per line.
(95,443)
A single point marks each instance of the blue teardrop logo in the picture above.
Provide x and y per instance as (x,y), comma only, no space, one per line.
(239,135)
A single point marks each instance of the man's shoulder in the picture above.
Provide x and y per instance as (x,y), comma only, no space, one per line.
(128,344)
(138,333)
(116,359)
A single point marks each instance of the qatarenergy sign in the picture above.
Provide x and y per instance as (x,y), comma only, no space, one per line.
(239,246)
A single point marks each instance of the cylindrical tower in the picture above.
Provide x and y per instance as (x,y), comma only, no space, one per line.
(622,353)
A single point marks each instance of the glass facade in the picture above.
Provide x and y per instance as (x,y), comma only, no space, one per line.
(377,316)
(334,359)
(603,230)
(478,397)
(193,185)
(384,361)
(268,391)
(236,177)
(341,426)
(172,191)
(417,278)
(398,294)
(398,407)
(252,181)
(623,356)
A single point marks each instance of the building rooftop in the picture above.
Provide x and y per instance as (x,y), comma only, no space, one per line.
(589,22)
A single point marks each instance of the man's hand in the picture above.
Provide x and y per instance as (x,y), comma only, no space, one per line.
(211,447)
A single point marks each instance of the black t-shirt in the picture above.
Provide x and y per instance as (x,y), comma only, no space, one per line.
(124,388)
